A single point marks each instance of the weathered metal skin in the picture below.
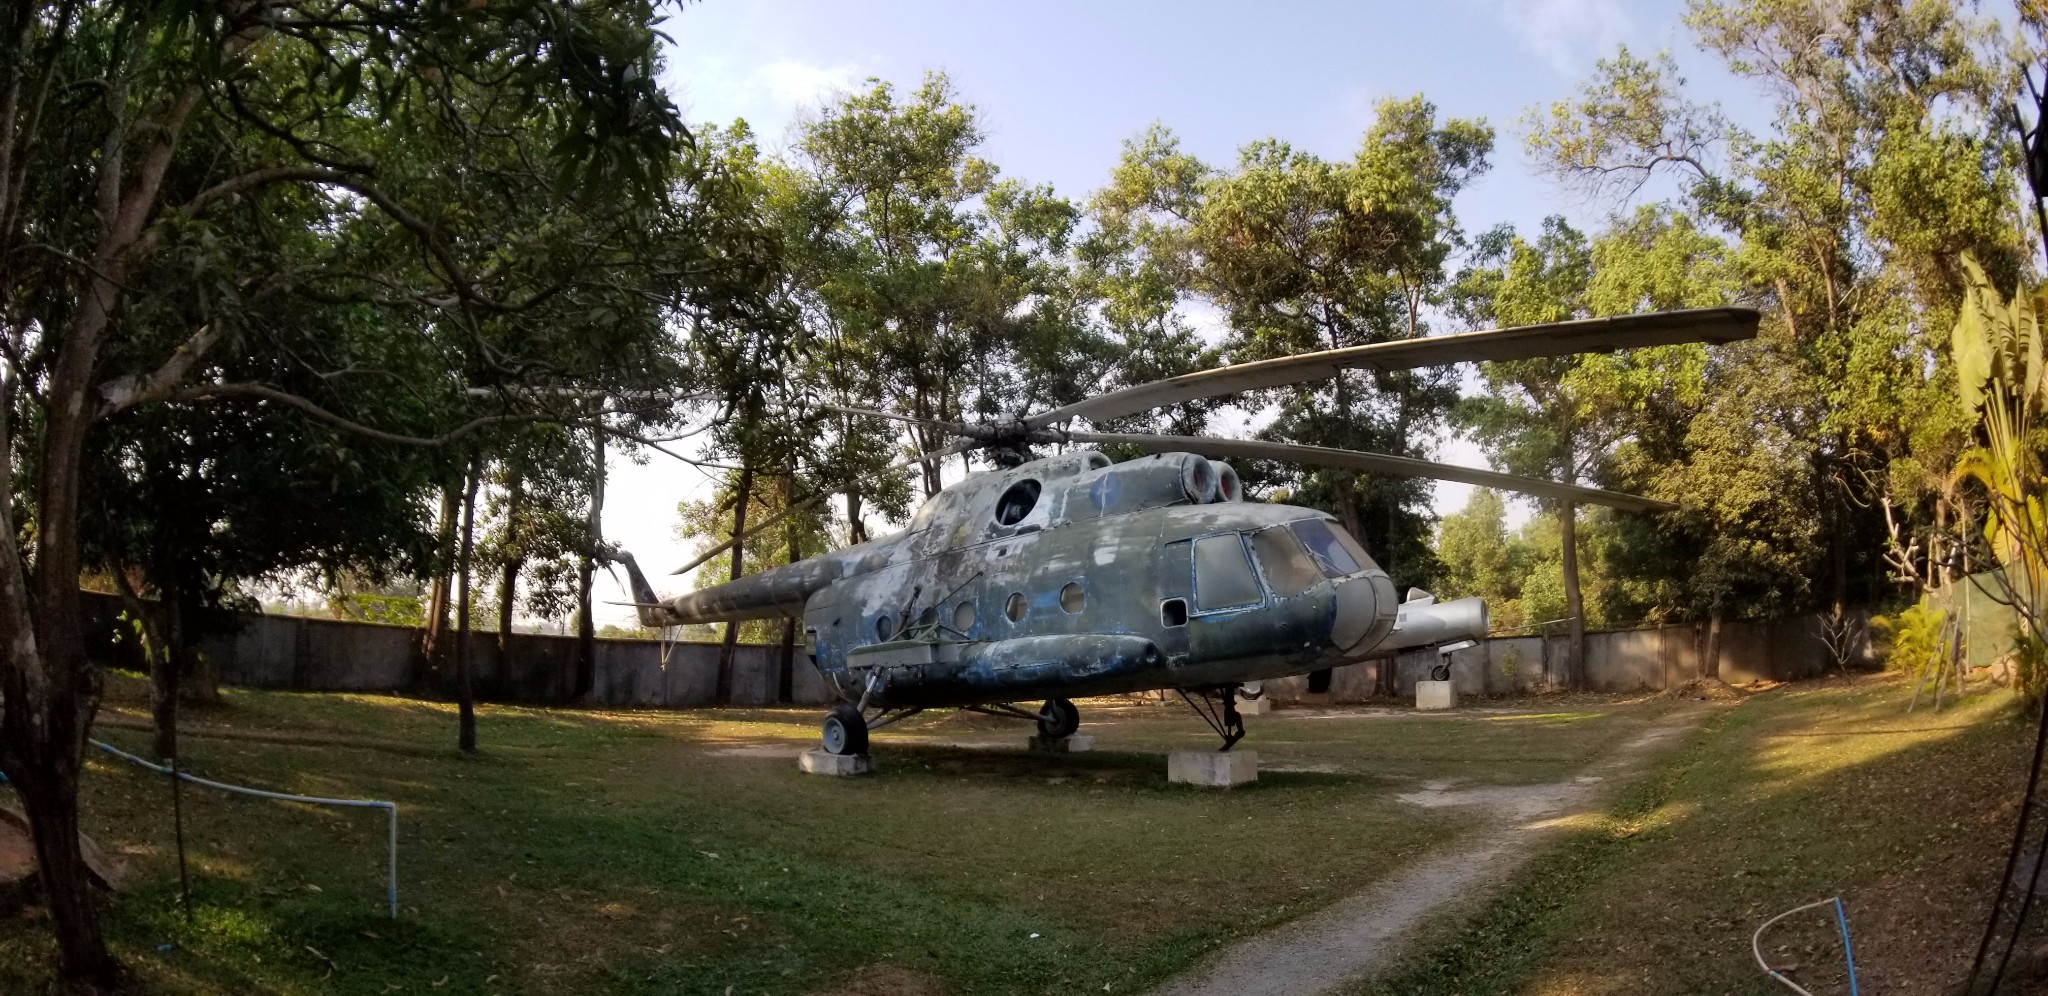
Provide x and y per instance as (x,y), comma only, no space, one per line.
(1072,576)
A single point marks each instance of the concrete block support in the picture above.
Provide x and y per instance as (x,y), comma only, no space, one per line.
(1435,695)
(817,762)
(1212,768)
(1079,743)
(1255,707)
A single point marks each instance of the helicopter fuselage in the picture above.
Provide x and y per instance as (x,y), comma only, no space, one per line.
(1072,576)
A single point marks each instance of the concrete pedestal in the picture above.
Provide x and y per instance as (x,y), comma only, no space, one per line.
(1255,707)
(1061,745)
(1213,768)
(1435,695)
(817,762)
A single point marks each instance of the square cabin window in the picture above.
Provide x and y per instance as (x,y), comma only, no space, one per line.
(1223,574)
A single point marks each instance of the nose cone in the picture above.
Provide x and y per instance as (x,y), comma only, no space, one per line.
(1365,612)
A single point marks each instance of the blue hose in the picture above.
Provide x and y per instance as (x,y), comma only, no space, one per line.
(1842,918)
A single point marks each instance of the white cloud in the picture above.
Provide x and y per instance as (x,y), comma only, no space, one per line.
(1568,34)
(1208,321)
(800,84)
(769,96)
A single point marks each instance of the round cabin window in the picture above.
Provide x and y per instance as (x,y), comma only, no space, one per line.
(884,627)
(1014,608)
(1072,598)
(929,617)
(1016,503)
(963,617)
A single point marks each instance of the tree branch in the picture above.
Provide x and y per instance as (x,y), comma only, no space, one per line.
(123,393)
(216,392)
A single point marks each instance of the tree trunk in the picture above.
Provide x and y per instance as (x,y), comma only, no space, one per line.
(508,580)
(785,685)
(1574,603)
(1710,661)
(198,675)
(465,692)
(739,547)
(586,621)
(51,690)
(856,530)
(432,641)
(163,671)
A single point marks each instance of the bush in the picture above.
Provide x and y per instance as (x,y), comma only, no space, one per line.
(1910,638)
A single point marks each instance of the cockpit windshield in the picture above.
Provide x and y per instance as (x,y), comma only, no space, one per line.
(1288,569)
(1336,554)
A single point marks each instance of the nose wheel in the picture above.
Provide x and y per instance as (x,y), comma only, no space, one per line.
(1058,719)
(845,731)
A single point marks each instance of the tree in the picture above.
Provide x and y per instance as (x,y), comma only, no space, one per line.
(935,289)
(1886,157)
(1302,254)
(1581,419)
(100,191)
(2002,382)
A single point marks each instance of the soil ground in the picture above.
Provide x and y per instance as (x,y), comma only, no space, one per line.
(1364,933)
(1811,790)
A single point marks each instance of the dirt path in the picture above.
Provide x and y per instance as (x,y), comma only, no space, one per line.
(1362,934)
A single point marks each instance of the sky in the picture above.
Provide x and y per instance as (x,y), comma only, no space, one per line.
(1060,85)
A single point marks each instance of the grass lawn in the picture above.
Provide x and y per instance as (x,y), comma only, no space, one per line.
(656,852)
(1800,793)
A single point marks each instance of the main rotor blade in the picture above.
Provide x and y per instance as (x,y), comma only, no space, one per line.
(1713,325)
(1378,463)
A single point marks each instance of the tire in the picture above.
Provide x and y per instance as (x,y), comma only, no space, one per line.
(1058,719)
(845,731)
(1441,672)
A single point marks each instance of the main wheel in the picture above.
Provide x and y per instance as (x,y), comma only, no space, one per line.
(846,731)
(1058,719)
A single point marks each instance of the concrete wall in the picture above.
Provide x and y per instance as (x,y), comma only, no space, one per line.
(1628,660)
(330,655)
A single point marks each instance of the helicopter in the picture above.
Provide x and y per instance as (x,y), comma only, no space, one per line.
(1071,575)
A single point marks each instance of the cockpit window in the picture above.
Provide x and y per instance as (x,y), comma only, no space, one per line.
(1016,502)
(1223,574)
(1335,553)
(1286,565)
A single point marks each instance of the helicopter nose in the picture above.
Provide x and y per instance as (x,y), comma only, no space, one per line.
(1365,611)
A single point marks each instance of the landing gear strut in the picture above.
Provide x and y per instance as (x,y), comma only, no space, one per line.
(1217,705)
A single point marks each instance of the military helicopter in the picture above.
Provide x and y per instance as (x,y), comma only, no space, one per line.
(1059,577)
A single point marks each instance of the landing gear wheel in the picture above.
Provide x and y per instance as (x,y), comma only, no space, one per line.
(1058,719)
(1441,672)
(846,731)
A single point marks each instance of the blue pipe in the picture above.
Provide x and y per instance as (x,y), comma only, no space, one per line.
(1842,918)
